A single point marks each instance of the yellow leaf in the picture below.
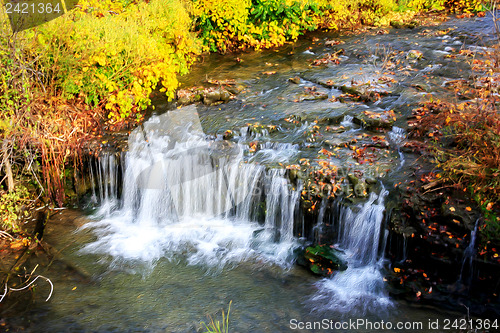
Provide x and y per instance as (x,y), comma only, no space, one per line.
(452,209)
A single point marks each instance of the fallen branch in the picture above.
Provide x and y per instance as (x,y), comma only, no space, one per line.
(7,289)
(5,235)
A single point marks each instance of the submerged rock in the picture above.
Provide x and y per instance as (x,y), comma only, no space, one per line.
(322,260)
(414,54)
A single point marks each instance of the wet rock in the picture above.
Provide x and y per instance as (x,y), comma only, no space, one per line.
(336,129)
(414,54)
(370,180)
(322,260)
(420,87)
(212,97)
(235,89)
(350,90)
(353,179)
(413,24)
(311,94)
(295,80)
(189,96)
(327,83)
(336,142)
(397,24)
(228,135)
(225,96)
(332,118)
(360,187)
(360,190)
(373,120)
(362,93)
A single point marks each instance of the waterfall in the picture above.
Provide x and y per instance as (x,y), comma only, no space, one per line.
(469,254)
(361,286)
(396,138)
(347,121)
(185,196)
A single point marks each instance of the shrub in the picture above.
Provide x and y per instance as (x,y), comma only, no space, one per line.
(229,24)
(13,208)
(113,56)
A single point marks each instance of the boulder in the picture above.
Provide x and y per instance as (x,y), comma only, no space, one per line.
(322,260)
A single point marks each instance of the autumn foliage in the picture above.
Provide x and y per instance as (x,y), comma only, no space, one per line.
(464,138)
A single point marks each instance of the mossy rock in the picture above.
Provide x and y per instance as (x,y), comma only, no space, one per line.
(322,260)
(371,120)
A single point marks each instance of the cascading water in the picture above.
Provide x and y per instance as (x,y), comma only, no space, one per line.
(397,137)
(184,194)
(361,286)
(468,260)
(347,121)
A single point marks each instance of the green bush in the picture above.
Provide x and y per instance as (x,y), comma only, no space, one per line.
(231,24)
(12,208)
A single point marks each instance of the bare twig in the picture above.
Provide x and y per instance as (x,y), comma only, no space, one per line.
(7,289)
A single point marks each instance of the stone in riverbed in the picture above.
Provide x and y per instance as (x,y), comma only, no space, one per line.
(414,54)
(189,96)
(360,190)
(228,135)
(212,97)
(311,94)
(322,260)
(236,89)
(360,187)
(371,119)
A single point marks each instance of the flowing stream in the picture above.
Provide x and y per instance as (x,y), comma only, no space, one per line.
(184,221)
(184,193)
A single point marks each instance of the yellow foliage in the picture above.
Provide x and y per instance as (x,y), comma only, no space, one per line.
(111,55)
